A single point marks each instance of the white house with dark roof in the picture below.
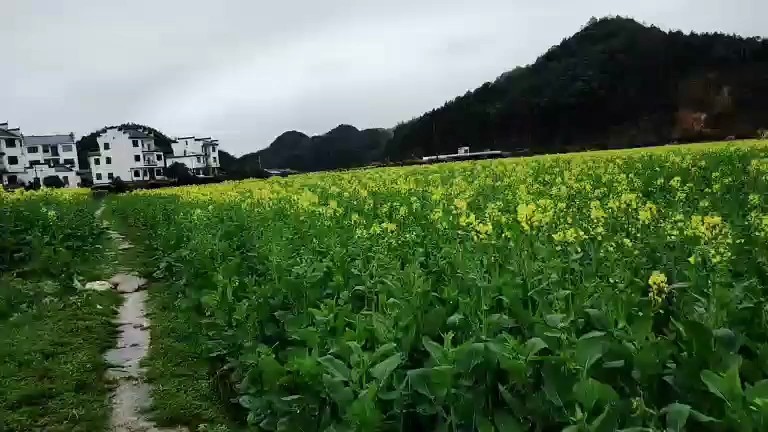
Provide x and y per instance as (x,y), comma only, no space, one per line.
(200,155)
(51,150)
(26,159)
(130,154)
(12,160)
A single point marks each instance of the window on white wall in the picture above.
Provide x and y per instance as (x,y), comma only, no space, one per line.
(135,143)
(136,173)
(10,143)
(98,176)
(33,149)
(106,146)
(108,160)
(137,158)
(96,161)
(110,176)
(158,171)
(13,160)
(69,161)
(66,148)
(46,149)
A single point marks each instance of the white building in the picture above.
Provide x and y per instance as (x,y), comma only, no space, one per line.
(129,154)
(12,161)
(30,159)
(199,155)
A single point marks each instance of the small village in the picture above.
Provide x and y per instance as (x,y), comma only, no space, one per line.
(127,154)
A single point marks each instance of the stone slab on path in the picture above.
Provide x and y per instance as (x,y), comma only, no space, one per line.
(98,286)
(131,397)
(128,283)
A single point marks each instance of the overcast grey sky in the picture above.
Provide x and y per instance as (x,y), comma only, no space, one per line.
(247,70)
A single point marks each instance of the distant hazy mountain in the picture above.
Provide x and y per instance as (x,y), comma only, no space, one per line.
(342,147)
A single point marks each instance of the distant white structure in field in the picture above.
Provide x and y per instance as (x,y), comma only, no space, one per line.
(199,155)
(463,153)
(32,158)
(129,154)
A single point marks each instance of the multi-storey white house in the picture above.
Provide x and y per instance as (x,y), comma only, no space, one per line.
(129,154)
(211,152)
(56,153)
(199,155)
(12,160)
(51,150)
(32,158)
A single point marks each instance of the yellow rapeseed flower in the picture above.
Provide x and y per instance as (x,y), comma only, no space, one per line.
(659,288)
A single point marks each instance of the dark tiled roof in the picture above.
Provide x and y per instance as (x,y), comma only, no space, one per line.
(48,139)
(7,133)
(133,133)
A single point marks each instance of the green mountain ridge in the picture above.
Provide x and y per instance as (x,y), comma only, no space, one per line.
(614,84)
(342,147)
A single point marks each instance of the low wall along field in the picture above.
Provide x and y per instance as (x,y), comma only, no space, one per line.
(599,291)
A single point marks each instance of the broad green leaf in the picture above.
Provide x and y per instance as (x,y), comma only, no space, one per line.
(614,364)
(701,418)
(469,355)
(534,345)
(382,370)
(605,422)
(501,321)
(713,383)
(591,391)
(383,351)
(758,391)
(435,350)
(676,416)
(483,424)
(732,384)
(250,402)
(419,379)
(597,318)
(588,351)
(335,367)
(554,320)
(291,398)
(592,334)
(506,422)
(454,319)
(338,391)
(726,339)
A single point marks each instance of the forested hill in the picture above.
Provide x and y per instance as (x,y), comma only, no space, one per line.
(615,83)
(342,147)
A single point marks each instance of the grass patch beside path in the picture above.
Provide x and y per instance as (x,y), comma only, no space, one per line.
(52,332)
(51,365)
(183,390)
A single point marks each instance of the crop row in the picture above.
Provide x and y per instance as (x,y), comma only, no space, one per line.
(601,291)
